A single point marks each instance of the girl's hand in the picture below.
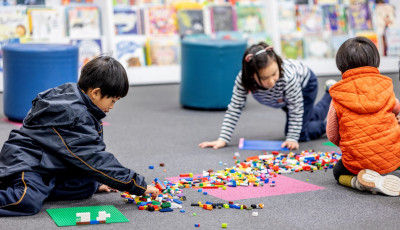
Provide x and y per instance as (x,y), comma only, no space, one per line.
(153,190)
(290,145)
(214,144)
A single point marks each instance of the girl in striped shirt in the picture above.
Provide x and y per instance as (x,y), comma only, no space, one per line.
(285,84)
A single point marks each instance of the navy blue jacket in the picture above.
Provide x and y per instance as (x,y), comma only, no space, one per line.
(63,135)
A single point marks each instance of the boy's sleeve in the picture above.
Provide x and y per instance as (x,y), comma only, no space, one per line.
(84,150)
(396,109)
(332,126)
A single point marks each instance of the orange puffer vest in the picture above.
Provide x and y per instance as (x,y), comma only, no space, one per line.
(369,132)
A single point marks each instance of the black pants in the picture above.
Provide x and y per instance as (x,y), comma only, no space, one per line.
(339,170)
(23,194)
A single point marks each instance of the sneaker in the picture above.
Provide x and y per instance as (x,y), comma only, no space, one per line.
(328,84)
(375,182)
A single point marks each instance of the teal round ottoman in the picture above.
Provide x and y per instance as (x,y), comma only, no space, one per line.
(208,71)
(32,68)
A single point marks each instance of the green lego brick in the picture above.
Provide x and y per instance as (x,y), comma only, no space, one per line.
(67,216)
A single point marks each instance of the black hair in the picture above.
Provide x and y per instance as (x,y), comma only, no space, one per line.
(106,73)
(357,52)
(257,62)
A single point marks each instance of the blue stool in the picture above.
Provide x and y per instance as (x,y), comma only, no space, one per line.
(32,68)
(209,68)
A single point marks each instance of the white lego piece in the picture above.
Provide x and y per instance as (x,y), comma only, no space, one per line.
(103,216)
(254,214)
(84,216)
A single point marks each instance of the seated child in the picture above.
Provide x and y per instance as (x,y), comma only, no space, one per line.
(362,120)
(59,151)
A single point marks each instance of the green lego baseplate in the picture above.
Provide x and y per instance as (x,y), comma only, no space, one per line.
(67,216)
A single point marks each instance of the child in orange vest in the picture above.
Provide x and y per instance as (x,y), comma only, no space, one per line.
(362,120)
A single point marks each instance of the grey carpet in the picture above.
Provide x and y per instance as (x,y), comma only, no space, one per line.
(149,127)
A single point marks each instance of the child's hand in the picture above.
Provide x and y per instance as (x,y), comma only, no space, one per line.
(398,119)
(106,188)
(153,190)
(214,144)
(290,145)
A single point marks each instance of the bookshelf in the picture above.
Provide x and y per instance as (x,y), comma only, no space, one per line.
(154,74)
(321,67)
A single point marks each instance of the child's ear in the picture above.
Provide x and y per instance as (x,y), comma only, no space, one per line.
(95,94)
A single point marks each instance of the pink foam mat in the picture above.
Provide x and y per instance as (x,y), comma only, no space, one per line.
(283,185)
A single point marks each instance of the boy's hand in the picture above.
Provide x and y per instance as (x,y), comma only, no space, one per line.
(153,191)
(214,144)
(106,188)
(290,145)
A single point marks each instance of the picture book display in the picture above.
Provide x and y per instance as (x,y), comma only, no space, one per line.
(223,18)
(162,50)
(160,20)
(46,24)
(310,18)
(190,21)
(83,21)
(13,23)
(127,21)
(360,15)
(292,46)
(250,18)
(129,51)
(317,46)
(88,49)
(286,17)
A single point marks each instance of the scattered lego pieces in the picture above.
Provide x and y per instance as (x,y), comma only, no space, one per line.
(254,214)
(224,225)
(151,167)
(197,225)
(162,164)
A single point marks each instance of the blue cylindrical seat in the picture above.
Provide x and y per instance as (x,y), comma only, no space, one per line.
(32,68)
(208,71)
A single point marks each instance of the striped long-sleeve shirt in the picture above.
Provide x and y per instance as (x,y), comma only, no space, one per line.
(287,92)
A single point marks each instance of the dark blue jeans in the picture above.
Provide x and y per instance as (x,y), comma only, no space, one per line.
(314,124)
(24,194)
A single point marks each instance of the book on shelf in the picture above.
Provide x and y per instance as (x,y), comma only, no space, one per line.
(384,17)
(334,19)
(46,24)
(317,46)
(67,2)
(360,15)
(393,42)
(255,38)
(127,21)
(14,23)
(118,3)
(310,18)
(162,50)
(190,21)
(223,18)
(160,20)
(371,35)
(83,21)
(129,50)
(31,2)
(292,46)
(88,49)
(250,18)
(287,17)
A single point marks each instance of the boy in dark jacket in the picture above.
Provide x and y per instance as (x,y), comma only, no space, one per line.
(59,151)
